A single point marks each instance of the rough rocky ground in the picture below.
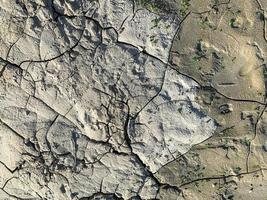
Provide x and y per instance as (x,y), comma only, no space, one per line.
(133,99)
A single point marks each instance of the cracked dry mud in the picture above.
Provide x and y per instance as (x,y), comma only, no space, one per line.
(125,99)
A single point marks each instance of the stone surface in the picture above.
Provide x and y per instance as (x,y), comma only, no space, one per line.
(89,104)
(116,99)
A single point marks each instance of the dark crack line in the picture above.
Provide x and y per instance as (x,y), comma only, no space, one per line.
(176,33)
(264,19)
(12,171)
(3,187)
(94,195)
(126,129)
(151,99)
(48,129)
(3,70)
(12,46)
(58,56)
(16,197)
(10,128)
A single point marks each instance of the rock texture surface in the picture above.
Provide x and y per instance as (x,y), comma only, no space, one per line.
(133,99)
(90,107)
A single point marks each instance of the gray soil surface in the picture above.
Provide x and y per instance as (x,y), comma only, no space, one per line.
(133,99)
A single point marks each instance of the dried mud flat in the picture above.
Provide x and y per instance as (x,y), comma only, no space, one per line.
(125,99)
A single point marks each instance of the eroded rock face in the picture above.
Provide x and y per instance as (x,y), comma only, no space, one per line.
(89,105)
